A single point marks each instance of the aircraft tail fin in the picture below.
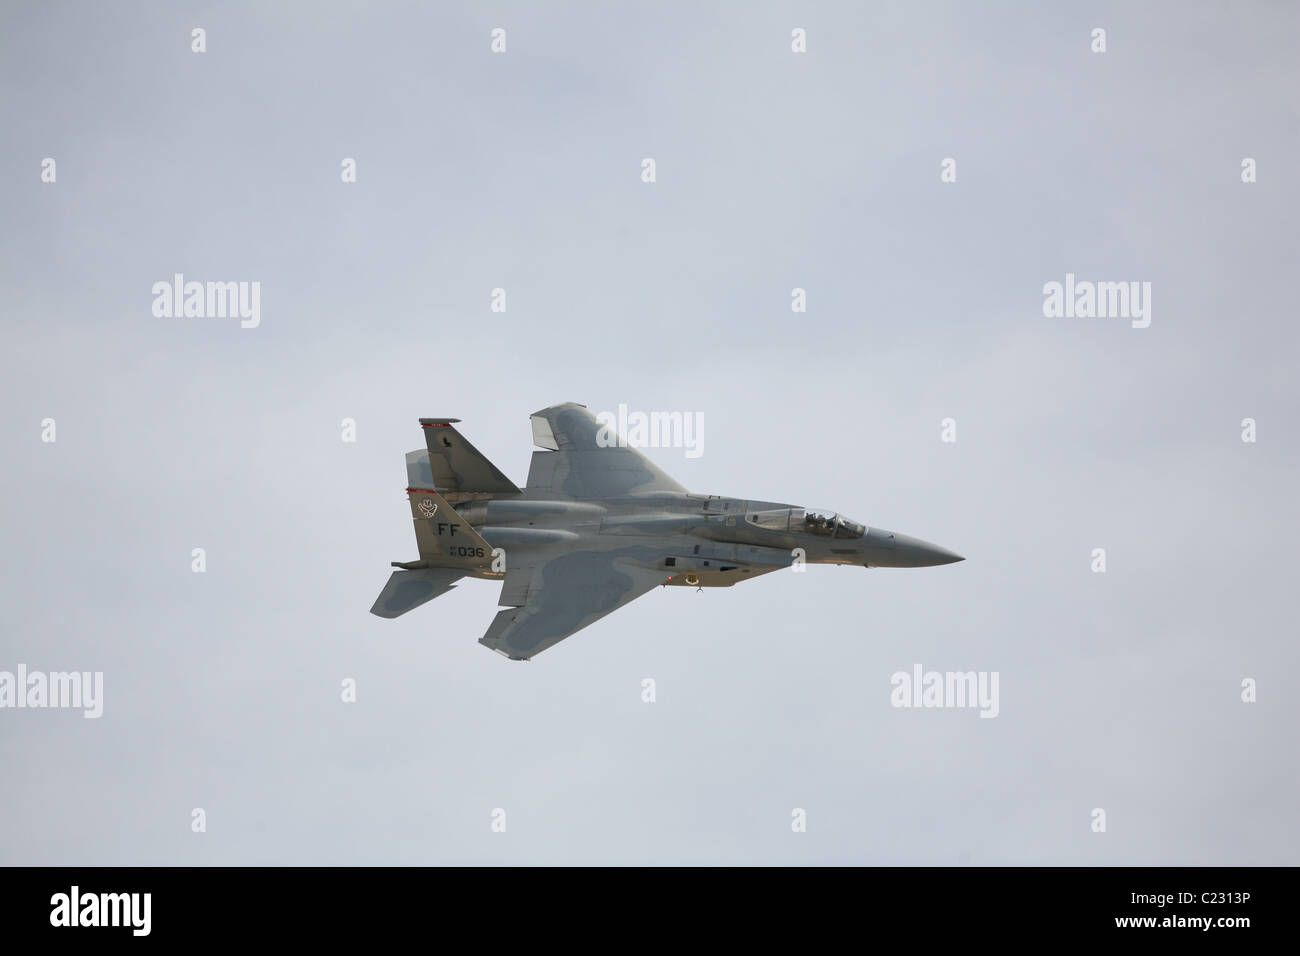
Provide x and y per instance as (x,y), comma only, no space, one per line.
(444,538)
(451,463)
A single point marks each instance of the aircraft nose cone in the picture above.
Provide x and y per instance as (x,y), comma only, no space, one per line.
(915,553)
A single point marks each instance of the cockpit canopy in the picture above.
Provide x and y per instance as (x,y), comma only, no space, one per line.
(830,524)
(807,521)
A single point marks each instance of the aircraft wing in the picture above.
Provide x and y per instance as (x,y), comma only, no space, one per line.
(583,462)
(560,595)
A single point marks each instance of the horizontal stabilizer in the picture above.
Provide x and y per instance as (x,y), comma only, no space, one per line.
(406,590)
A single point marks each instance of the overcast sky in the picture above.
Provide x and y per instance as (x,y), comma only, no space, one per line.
(775,170)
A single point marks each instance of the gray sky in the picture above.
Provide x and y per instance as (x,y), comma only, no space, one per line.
(775,170)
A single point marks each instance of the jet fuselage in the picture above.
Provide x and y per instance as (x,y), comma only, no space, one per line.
(705,541)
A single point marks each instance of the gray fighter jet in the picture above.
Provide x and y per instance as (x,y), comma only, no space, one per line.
(598,525)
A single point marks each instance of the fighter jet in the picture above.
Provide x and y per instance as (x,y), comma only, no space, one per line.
(596,526)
